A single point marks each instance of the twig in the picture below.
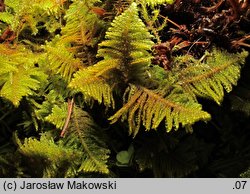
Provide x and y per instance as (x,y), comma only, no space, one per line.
(245,4)
(70,110)
(241,42)
(213,8)
(236,8)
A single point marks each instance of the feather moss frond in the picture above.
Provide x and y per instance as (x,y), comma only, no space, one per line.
(220,70)
(99,90)
(61,60)
(53,109)
(125,50)
(51,156)
(129,41)
(154,24)
(44,148)
(81,23)
(91,82)
(28,13)
(84,135)
(48,105)
(58,115)
(82,150)
(18,74)
(149,108)
(50,7)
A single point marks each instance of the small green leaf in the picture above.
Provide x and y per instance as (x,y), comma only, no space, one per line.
(124,157)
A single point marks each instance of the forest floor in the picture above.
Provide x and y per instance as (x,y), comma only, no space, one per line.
(195,26)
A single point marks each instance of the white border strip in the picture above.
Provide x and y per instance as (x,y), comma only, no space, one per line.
(126,185)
